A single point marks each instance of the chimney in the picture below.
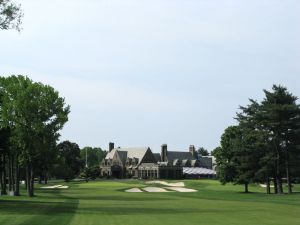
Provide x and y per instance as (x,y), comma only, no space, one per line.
(111,146)
(164,152)
(192,150)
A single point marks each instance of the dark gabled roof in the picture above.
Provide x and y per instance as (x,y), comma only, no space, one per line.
(206,162)
(179,155)
(124,153)
(157,157)
(123,156)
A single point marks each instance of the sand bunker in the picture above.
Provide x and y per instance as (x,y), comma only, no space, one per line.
(179,184)
(164,189)
(169,187)
(264,185)
(63,187)
(55,187)
(154,189)
(132,190)
(181,189)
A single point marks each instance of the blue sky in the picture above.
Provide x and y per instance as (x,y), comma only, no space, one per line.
(148,72)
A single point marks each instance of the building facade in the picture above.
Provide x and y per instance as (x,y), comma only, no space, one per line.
(129,162)
(143,163)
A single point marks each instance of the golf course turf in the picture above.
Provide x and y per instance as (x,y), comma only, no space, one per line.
(107,203)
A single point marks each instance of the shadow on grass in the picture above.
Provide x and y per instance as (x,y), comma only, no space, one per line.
(130,198)
(37,207)
(130,210)
(90,194)
(39,212)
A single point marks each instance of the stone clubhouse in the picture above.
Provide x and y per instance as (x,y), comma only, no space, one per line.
(143,163)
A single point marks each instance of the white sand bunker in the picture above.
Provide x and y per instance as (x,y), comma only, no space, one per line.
(181,189)
(264,185)
(55,187)
(132,190)
(178,184)
(158,189)
(168,187)
(155,189)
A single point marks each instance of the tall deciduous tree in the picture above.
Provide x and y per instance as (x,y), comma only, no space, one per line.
(226,166)
(35,113)
(4,151)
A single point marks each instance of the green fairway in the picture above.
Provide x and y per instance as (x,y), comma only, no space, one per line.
(105,202)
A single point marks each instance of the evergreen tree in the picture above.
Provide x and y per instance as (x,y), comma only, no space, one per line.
(280,117)
(203,152)
(265,144)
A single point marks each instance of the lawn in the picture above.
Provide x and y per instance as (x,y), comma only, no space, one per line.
(105,202)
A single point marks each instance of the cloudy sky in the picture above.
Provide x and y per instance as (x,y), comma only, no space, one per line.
(148,72)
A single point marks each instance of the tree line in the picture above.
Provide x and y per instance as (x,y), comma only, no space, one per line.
(74,162)
(264,147)
(31,117)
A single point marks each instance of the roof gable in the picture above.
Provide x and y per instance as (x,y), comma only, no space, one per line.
(122,156)
(148,157)
(110,154)
(124,153)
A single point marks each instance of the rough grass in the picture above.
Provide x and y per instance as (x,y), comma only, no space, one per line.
(105,202)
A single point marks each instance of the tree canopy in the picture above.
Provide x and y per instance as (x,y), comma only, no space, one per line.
(34,113)
(264,145)
(70,160)
(10,15)
(92,156)
(203,152)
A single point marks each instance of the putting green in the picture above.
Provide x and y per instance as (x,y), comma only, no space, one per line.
(106,202)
